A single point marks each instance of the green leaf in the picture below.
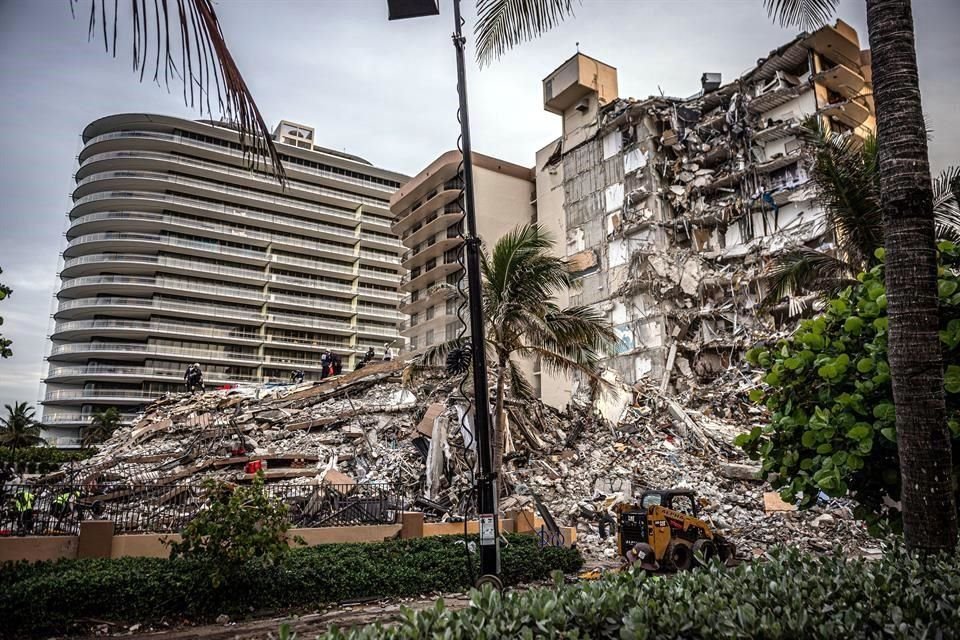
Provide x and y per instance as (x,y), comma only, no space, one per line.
(756,395)
(951,379)
(825,448)
(885,411)
(859,432)
(889,433)
(946,288)
(809,439)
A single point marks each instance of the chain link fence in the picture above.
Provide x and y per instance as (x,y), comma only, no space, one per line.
(58,509)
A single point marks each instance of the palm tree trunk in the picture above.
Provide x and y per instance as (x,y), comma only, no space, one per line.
(916,363)
(498,441)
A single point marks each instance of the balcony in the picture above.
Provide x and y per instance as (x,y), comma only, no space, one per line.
(79,419)
(436,250)
(122,350)
(102,372)
(144,328)
(438,201)
(136,262)
(378,294)
(842,80)
(291,167)
(131,284)
(307,322)
(126,177)
(376,330)
(378,312)
(122,241)
(118,396)
(206,208)
(311,302)
(67,309)
(379,258)
(849,112)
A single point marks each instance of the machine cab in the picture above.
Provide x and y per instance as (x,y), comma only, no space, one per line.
(675,499)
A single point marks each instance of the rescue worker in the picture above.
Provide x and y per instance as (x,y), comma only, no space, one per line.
(23,505)
(387,352)
(324,363)
(194,378)
(63,503)
(337,364)
(367,357)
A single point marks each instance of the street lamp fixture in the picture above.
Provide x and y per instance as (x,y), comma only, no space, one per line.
(487,479)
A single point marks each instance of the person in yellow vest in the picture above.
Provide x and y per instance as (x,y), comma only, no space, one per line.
(23,505)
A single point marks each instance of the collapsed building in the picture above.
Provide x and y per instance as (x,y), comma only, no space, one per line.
(670,209)
(359,448)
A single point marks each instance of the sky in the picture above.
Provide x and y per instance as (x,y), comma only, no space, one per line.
(383,90)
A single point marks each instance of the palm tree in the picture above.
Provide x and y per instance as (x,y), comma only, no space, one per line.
(847,179)
(102,426)
(19,429)
(520,278)
(916,361)
(204,64)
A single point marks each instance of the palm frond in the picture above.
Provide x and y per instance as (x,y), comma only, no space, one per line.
(520,387)
(803,270)
(847,182)
(503,24)
(806,14)
(946,209)
(204,60)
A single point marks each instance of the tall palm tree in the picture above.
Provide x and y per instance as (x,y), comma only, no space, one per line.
(19,429)
(102,426)
(520,277)
(847,178)
(916,361)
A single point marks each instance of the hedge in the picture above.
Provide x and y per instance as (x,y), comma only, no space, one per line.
(787,596)
(50,597)
(41,459)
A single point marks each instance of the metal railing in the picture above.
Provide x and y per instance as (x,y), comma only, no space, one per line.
(58,509)
(219,148)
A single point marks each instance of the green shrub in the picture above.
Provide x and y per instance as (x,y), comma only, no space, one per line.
(827,386)
(239,525)
(790,596)
(41,459)
(48,597)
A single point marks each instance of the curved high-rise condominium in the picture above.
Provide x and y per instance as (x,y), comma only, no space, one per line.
(177,253)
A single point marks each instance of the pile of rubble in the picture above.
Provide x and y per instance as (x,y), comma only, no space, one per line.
(368,427)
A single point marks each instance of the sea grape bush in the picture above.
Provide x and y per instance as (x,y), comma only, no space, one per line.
(827,387)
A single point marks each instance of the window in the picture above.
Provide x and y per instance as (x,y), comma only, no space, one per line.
(428,338)
(430,311)
(414,319)
(451,306)
(452,330)
(413,343)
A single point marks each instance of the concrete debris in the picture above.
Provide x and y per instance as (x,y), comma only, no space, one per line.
(366,427)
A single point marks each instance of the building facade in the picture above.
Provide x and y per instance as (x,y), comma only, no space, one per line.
(428,219)
(671,209)
(178,253)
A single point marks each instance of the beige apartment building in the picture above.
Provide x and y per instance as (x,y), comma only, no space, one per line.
(428,219)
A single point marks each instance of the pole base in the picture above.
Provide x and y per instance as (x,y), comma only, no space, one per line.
(489,579)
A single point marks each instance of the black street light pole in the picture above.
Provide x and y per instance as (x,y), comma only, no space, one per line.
(487,480)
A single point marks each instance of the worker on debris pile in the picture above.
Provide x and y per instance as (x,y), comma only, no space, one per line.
(296,376)
(337,365)
(63,503)
(23,505)
(387,352)
(194,378)
(324,363)
(367,357)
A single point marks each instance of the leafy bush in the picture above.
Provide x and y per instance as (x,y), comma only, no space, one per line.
(790,596)
(40,459)
(239,525)
(832,426)
(48,597)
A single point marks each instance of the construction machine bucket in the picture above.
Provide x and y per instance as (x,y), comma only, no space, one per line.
(643,555)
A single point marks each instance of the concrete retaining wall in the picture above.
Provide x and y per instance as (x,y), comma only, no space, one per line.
(97,540)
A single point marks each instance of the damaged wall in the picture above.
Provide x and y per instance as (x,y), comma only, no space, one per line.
(674,207)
